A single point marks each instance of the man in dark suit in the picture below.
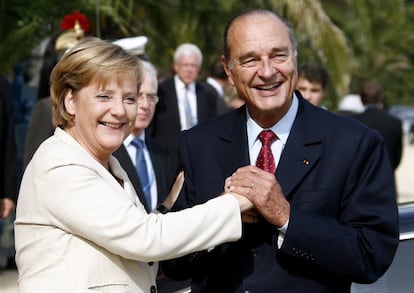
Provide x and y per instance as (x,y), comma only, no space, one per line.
(184,102)
(376,117)
(326,217)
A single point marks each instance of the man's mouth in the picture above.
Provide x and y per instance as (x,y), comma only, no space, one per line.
(268,87)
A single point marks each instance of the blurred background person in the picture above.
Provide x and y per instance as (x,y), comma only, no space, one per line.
(232,98)
(312,83)
(217,78)
(376,117)
(76,204)
(184,101)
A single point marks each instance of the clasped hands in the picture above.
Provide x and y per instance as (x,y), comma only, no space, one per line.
(264,192)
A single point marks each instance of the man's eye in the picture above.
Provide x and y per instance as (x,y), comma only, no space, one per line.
(249,63)
(280,57)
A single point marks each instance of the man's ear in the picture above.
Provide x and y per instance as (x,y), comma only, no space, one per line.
(227,69)
(70,102)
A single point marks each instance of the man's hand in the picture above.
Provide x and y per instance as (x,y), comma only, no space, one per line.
(264,191)
(6,207)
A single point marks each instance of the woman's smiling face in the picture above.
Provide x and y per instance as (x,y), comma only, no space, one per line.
(103,115)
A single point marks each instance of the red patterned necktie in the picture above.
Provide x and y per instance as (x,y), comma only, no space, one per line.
(265,159)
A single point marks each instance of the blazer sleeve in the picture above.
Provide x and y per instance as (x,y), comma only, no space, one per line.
(86,200)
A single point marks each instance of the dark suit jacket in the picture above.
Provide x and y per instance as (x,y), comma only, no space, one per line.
(159,159)
(343,225)
(8,155)
(40,127)
(390,128)
(165,126)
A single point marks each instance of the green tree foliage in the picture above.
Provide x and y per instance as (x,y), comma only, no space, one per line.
(381,36)
(353,39)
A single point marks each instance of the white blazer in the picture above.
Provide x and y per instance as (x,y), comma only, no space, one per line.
(78,230)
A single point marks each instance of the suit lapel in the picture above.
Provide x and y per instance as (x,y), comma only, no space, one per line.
(233,143)
(302,150)
(201,105)
(122,155)
(158,163)
(173,102)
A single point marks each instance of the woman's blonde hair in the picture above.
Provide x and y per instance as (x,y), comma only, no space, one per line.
(91,60)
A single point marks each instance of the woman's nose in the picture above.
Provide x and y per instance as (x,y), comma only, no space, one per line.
(118,107)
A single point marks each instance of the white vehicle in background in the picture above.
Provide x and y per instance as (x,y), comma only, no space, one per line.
(406,115)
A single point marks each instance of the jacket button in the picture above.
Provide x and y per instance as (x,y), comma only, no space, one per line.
(153,289)
(253,252)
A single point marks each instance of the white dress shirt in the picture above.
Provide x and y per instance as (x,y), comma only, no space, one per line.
(180,88)
(282,130)
(216,86)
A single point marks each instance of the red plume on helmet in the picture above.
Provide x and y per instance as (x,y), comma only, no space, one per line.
(69,21)
(74,27)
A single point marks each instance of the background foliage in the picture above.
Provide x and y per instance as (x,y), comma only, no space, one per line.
(353,39)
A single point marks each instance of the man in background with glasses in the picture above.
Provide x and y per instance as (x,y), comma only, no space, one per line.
(152,186)
(158,182)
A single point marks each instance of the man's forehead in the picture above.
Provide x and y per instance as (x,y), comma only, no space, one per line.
(248,37)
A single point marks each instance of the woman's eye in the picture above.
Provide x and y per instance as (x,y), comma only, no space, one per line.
(130,100)
(103,97)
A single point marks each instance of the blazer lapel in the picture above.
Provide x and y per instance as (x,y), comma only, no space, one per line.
(119,172)
(302,150)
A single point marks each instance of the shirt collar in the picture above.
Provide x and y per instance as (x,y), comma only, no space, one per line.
(281,128)
(180,85)
(129,138)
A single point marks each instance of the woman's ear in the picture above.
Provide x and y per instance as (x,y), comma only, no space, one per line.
(70,102)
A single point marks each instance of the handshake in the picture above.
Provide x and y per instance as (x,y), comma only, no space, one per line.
(257,191)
